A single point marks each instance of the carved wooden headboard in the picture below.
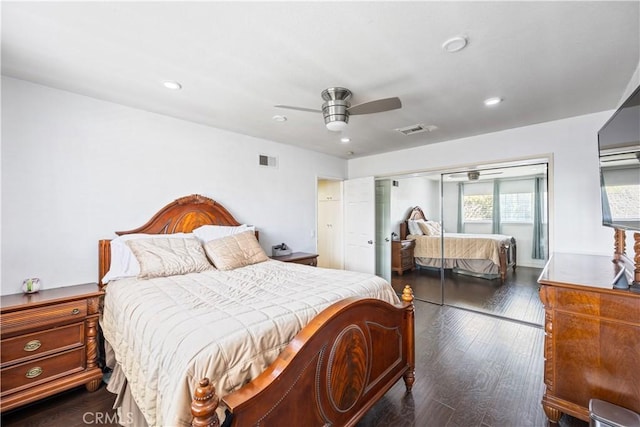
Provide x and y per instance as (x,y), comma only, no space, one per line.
(180,216)
(415,213)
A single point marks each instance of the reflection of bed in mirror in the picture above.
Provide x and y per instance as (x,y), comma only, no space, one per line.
(483,255)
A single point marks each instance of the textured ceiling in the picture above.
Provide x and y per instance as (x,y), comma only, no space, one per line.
(236,60)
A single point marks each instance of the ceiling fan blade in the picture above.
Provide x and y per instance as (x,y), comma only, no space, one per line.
(310,110)
(377,106)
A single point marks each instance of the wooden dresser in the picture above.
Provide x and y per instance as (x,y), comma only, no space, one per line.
(49,343)
(592,340)
(402,255)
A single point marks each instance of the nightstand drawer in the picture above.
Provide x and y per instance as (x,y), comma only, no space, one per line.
(37,318)
(25,347)
(41,370)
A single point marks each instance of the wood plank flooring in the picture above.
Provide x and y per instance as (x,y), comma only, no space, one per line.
(516,298)
(471,370)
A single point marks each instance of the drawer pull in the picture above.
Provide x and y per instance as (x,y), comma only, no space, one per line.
(34,372)
(32,345)
(75,311)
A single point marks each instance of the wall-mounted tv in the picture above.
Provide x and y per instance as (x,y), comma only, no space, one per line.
(619,150)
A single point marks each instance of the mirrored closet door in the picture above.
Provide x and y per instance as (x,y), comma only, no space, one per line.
(494,232)
(478,239)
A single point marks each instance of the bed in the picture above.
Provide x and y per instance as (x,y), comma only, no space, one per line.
(266,343)
(482,255)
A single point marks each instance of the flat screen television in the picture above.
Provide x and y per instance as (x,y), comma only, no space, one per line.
(619,151)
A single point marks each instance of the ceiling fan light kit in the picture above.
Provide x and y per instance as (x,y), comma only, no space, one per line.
(473,175)
(336,108)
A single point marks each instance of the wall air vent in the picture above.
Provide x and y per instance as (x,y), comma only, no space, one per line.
(267,161)
(410,130)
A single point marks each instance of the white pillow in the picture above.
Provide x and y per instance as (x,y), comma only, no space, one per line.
(414,228)
(206,233)
(123,261)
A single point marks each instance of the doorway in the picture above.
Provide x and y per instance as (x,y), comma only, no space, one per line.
(330,228)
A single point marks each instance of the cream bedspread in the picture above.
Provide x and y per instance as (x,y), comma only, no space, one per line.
(461,246)
(169,332)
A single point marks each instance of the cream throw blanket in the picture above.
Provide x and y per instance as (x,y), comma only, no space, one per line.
(169,332)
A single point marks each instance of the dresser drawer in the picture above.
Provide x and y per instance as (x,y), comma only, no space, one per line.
(37,318)
(42,370)
(37,344)
(603,305)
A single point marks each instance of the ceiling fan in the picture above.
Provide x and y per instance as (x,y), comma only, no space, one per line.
(472,175)
(337,108)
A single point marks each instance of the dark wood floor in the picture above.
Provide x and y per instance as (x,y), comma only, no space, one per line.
(516,298)
(471,370)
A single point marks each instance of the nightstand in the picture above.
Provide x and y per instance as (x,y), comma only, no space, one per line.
(49,343)
(299,258)
(402,255)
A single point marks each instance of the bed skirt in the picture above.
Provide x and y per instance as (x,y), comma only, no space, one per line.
(129,415)
(128,412)
(482,268)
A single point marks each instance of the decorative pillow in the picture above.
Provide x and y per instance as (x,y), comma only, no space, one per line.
(414,228)
(237,250)
(436,226)
(207,233)
(430,228)
(163,256)
(123,261)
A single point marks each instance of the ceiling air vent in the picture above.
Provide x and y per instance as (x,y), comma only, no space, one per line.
(267,161)
(410,130)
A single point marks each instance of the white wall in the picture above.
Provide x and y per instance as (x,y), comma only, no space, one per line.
(575,218)
(76,169)
(412,192)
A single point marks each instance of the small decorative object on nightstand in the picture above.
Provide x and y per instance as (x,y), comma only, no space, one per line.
(49,343)
(31,285)
(299,258)
(402,255)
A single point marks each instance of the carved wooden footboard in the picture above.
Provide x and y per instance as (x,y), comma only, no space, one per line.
(332,372)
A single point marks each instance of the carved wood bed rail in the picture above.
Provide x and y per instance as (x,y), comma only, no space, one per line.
(331,373)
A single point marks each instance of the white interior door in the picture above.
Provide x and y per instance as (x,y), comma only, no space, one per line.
(383,229)
(360,224)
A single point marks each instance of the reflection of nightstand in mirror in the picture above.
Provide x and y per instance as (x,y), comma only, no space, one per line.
(402,255)
(299,258)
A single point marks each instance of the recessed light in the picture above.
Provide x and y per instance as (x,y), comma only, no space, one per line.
(345,139)
(350,153)
(492,101)
(455,44)
(172,84)
(279,118)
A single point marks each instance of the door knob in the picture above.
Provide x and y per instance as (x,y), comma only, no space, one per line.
(370,242)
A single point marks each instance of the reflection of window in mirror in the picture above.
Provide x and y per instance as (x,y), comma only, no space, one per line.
(620,189)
